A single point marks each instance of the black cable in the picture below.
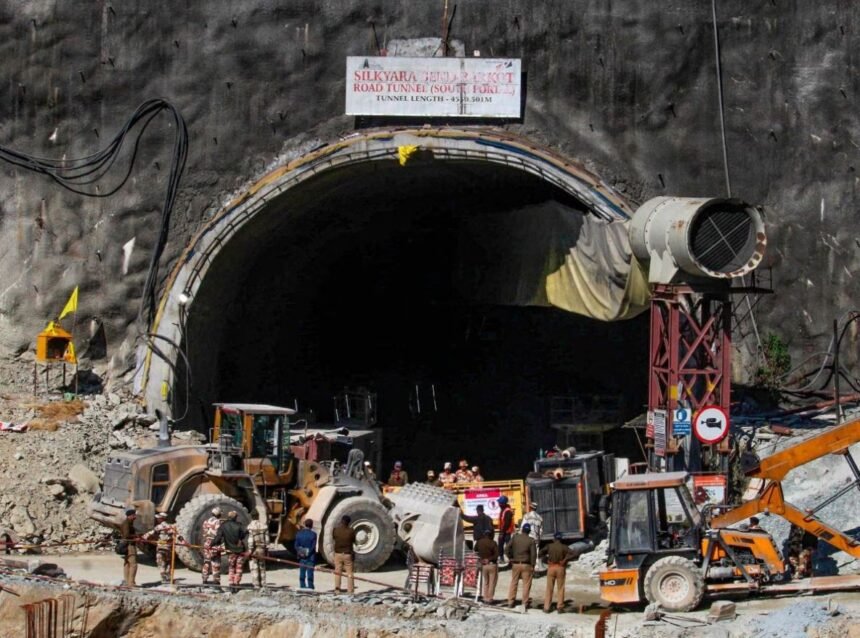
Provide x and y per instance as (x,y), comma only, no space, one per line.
(72,174)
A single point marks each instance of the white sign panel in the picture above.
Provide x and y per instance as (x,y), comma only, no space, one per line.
(660,432)
(711,424)
(434,87)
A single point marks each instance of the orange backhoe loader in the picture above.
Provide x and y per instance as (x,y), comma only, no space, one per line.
(664,550)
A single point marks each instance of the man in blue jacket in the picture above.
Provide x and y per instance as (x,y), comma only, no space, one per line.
(306,550)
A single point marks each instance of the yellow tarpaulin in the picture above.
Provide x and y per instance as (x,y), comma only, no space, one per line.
(600,277)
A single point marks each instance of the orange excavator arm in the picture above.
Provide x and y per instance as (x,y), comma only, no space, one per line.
(772,469)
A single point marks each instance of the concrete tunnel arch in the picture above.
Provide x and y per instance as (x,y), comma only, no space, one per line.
(156,376)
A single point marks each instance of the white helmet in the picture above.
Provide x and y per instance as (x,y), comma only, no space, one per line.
(216,511)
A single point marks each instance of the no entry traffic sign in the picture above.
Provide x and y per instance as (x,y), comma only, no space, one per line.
(711,424)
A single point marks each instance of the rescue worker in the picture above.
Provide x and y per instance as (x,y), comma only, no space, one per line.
(535,521)
(165,535)
(488,554)
(446,476)
(211,553)
(398,477)
(476,475)
(129,558)
(344,539)
(801,547)
(306,550)
(432,480)
(258,543)
(522,554)
(233,535)
(481,523)
(464,474)
(558,555)
(506,525)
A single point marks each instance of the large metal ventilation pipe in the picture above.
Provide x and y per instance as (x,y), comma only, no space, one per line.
(700,237)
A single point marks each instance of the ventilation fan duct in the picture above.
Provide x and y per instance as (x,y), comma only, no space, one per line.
(698,237)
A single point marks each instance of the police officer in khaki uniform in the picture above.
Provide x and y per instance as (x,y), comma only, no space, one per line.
(129,559)
(344,539)
(557,555)
(488,554)
(522,555)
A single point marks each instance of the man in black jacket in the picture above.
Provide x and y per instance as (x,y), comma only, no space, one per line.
(232,533)
(481,524)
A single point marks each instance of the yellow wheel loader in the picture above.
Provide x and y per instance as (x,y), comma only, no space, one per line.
(248,468)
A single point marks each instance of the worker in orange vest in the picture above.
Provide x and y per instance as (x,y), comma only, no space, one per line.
(506,524)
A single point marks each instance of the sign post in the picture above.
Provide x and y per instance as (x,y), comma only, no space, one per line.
(681,421)
(711,424)
(433,87)
(660,435)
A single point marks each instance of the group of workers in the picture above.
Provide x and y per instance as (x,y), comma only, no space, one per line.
(240,543)
(522,551)
(464,474)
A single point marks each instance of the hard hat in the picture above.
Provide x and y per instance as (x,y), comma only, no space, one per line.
(398,464)
(431,473)
(533,505)
(367,463)
(526,528)
(216,511)
(447,465)
(475,468)
(503,500)
(130,511)
(464,463)
(232,514)
(557,536)
(161,515)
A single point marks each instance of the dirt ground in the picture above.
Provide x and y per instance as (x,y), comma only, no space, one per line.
(757,617)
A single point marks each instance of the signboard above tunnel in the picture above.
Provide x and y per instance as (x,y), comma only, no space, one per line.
(433,87)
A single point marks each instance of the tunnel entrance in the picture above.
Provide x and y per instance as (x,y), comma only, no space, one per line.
(422,284)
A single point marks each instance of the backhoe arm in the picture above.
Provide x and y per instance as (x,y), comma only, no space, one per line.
(832,441)
(771,501)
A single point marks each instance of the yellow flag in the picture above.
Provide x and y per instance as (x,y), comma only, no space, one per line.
(405,152)
(71,304)
(69,355)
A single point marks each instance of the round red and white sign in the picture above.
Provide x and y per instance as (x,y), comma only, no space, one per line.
(711,424)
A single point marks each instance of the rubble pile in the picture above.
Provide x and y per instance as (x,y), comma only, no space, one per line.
(808,485)
(51,474)
(596,558)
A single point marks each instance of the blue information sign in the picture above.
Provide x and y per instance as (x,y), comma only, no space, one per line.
(682,422)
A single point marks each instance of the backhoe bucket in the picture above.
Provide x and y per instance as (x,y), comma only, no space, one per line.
(428,521)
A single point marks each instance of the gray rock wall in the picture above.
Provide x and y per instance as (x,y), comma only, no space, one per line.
(626,87)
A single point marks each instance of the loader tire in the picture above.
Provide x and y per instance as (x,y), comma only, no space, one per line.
(675,583)
(375,533)
(189,524)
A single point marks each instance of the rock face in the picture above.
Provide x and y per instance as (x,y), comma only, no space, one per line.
(629,89)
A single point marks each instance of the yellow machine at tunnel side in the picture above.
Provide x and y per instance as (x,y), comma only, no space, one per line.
(248,468)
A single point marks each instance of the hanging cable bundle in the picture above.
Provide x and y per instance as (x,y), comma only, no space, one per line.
(76,174)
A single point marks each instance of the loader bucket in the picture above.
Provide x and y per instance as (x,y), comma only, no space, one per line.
(428,520)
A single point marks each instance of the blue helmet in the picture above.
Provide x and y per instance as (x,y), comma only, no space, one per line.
(526,528)
(503,500)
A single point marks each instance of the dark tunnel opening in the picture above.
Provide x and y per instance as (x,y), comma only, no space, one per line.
(420,282)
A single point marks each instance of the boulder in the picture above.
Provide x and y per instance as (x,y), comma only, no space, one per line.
(84,479)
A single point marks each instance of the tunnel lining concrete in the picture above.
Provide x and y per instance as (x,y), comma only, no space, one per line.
(155,375)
